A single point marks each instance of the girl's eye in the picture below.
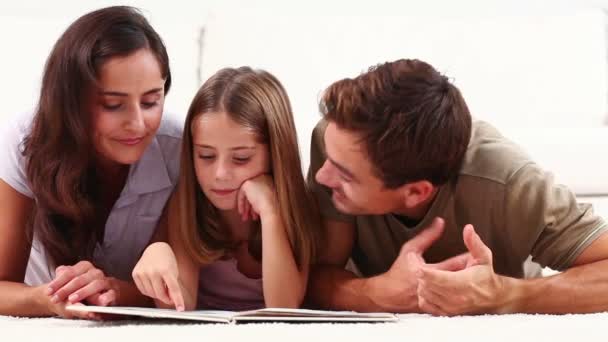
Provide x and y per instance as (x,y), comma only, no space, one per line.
(206,157)
(241,160)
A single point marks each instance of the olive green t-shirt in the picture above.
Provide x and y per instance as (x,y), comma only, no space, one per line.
(514,205)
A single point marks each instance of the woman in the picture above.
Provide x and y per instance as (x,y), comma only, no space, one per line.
(84,179)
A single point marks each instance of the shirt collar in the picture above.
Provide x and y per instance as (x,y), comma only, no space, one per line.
(147,175)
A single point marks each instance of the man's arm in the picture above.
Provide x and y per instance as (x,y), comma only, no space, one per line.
(580,289)
(333,287)
(478,289)
(330,285)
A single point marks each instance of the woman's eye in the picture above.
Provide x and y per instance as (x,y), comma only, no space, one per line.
(149,104)
(206,157)
(111,107)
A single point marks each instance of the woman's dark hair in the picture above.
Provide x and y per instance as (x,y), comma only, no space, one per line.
(59,149)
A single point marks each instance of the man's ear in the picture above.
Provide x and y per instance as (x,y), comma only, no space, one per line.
(416,193)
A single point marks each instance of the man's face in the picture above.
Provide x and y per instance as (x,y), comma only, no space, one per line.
(348,172)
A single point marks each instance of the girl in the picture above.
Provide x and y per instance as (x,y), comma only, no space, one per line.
(243,227)
(84,179)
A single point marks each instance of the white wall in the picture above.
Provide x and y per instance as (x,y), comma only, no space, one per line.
(539,76)
(29,28)
(519,63)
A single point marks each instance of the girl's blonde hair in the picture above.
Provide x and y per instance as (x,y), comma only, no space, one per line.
(257,100)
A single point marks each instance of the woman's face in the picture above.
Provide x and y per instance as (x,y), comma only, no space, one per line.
(226,154)
(127,109)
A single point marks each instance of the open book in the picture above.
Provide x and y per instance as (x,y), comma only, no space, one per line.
(262,315)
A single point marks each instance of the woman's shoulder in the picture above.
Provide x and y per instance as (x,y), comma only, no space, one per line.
(13,131)
(17,125)
(169,138)
(171,126)
(169,134)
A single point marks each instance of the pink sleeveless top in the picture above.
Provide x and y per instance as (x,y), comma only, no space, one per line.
(223,287)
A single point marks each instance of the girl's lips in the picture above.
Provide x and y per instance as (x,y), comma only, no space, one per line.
(222,192)
(131,141)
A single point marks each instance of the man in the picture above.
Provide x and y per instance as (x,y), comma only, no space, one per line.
(439,212)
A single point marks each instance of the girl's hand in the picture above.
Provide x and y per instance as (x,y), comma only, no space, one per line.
(157,276)
(256,197)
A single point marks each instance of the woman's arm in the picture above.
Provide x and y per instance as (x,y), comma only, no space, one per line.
(84,282)
(17,298)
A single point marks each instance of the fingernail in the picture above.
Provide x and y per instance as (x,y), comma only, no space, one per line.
(180,308)
(73,298)
(48,291)
(55,299)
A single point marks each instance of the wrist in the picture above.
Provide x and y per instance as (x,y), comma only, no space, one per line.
(373,288)
(269,210)
(512,296)
(269,214)
(385,297)
(41,300)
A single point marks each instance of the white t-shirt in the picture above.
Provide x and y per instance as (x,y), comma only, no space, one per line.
(133,218)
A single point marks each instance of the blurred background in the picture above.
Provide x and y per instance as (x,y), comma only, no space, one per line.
(536,69)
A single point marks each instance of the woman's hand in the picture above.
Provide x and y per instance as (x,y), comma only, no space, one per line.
(157,276)
(59,309)
(82,282)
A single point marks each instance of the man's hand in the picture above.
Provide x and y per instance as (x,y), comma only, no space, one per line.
(399,285)
(474,289)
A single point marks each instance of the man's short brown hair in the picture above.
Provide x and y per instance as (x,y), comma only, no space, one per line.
(414,124)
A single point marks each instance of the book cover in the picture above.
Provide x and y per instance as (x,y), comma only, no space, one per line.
(262,315)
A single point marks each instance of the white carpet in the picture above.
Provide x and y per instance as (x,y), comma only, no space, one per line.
(512,328)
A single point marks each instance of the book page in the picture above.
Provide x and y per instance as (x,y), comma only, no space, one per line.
(218,316)
(305,314)
(203,315)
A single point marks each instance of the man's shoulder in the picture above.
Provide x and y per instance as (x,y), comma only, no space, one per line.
(491,157)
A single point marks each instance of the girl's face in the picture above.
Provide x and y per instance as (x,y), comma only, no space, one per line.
(127,109)
(226,154)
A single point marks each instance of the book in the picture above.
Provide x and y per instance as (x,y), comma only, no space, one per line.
(261,315)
